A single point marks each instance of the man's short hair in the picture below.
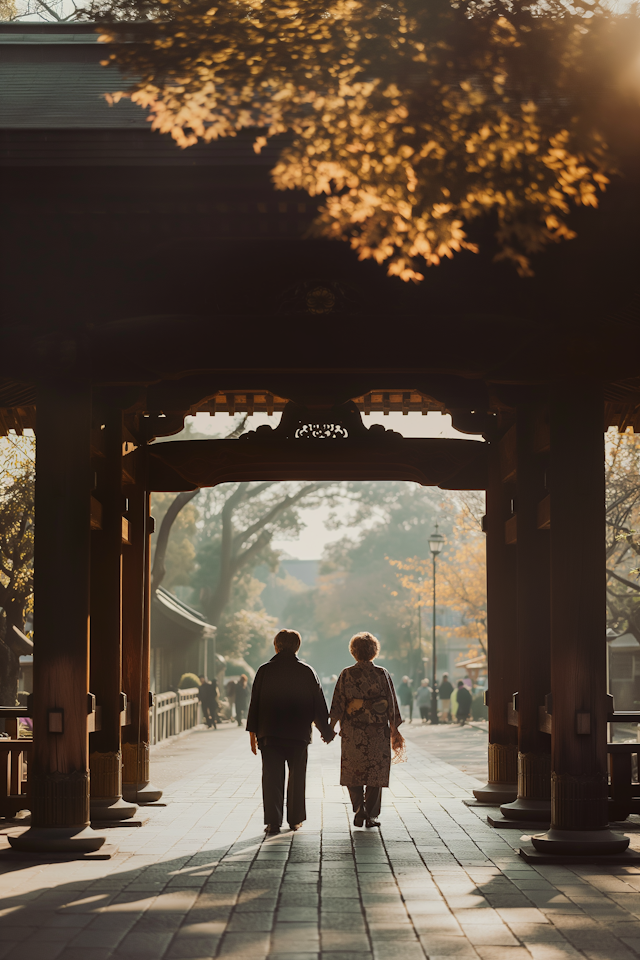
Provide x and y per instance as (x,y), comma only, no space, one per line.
(364,646)
(287,641)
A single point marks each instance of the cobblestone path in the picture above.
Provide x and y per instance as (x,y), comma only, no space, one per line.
(199,881)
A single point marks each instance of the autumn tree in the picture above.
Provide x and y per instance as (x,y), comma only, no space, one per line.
(414,119)
(356,585)
(17,490)
(461,574)
(8,10)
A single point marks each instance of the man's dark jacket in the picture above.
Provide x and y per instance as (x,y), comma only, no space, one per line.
(445,690)
(286,699)
(464,701)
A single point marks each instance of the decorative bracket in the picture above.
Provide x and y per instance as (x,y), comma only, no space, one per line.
(342,422)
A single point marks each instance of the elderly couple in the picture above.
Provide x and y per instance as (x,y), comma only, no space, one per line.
(287,698)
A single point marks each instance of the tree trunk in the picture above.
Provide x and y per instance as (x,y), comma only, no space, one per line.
(159,571)
(9,669)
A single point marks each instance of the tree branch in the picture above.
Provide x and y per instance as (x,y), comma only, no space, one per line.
(627,583)
(159,570)
(275,511)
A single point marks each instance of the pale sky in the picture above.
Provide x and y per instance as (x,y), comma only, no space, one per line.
(315,536)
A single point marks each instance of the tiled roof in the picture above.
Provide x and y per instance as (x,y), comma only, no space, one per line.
(53,110)
(63,95)
(44,34)
(53,80)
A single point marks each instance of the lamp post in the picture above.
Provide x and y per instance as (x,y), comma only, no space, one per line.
(436,543)
(417,667)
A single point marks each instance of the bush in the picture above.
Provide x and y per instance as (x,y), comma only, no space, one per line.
(187,681)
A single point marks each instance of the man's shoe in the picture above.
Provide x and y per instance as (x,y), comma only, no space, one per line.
(358,820)
(372,823)
(271,829)
(294,826)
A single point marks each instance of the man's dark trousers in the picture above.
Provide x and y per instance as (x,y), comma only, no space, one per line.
(274,756)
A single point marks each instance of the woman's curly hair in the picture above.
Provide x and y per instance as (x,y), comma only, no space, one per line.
(364,646)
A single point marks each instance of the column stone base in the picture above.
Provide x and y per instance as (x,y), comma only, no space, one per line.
(534,789)
(493,793)
(112,808)
(106,787)
(580,842)
(75,839)
(579,819)
(525,808)
(136,785)
(502,786)
(142,792)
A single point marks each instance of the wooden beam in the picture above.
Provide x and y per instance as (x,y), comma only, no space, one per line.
(188,464)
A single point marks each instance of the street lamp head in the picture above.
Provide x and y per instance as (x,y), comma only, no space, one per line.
(436,542)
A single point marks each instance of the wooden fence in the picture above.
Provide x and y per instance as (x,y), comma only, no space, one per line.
(14,754)
(172,713)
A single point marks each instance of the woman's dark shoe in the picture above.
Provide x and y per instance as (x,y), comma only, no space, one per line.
(372,823)
(358,820)
(271,829)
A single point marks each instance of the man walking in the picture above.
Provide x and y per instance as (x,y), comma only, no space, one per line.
(444,693)
(208,697)
(285,700)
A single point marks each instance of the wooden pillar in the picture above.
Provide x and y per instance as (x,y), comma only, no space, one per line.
(533,621)
(578,622)
(59,768)
(136,650)
(105,758)
(502,651)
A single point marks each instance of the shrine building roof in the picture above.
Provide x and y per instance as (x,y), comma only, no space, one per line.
(53,108)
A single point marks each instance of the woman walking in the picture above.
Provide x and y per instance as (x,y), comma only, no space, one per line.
(242,698)
(364,702)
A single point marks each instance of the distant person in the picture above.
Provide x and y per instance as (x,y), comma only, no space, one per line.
(286,699)
(423,699)
(364,703)
(208,697)
(464,703)
(444,694)
(230,694)
(242,698)
(405,697)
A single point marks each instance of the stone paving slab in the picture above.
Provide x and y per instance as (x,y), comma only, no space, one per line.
(199,881)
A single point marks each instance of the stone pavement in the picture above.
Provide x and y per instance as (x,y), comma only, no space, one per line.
(198,880)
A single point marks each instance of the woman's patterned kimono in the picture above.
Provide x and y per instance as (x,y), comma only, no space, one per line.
(366,750)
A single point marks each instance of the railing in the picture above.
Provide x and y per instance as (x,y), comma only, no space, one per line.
(14,753)
(189,709)
(172,713)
